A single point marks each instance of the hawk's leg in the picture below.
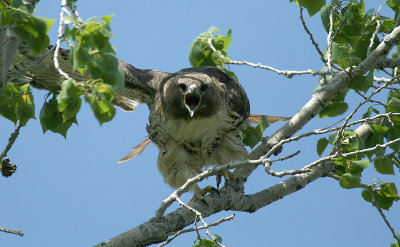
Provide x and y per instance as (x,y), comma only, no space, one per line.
(227,175)
(200,193)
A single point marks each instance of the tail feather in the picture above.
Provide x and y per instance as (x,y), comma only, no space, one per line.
(256,118)
(136,150)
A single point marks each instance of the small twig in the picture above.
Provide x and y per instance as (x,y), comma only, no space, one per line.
(196,229)
(210,43)
(382,79)
(371,42)
(310,34)
(198,214)
(345,155)
(59,38)
(2,229)
(11,141)
(388,88)
(370,100)
(376,203)
(330,40)
(268,163)
(287,73)
(336,177)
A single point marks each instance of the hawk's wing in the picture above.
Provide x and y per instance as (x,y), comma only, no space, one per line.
(140,85)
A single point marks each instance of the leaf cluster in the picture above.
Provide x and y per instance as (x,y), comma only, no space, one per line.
(211,49)
(385,160)
(28,28)
(355,34)
(203,242)
(91,53)
(16,103)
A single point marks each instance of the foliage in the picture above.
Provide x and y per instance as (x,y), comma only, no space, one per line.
(27,27)
(203,242)
(91,53)
(16,103)
(211,50)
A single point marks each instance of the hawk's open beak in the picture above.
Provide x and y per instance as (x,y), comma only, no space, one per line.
(192,100)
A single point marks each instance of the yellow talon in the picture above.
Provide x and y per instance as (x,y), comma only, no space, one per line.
(200,193)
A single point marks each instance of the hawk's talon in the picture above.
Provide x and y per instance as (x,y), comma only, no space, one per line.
(218,178)
(230,175)
(200,193)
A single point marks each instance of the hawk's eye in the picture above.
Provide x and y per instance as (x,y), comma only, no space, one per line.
(182,86)
(203,88)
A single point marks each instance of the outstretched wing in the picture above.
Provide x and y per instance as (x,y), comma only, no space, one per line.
(140,85)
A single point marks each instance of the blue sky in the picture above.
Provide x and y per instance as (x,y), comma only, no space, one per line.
(73,192)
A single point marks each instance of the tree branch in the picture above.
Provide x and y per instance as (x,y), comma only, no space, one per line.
(2,229)
(11,141)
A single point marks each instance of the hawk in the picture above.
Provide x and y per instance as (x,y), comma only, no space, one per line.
(196,119)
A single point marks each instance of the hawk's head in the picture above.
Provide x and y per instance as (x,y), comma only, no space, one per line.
(192,95)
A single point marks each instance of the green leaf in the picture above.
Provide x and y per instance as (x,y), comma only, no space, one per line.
(321,145)
(362,83)
(392,134)
(8,112)
(51,119)
(69,90)
(357,167)
(103,109)
(25,111)
(312,6)
(389,190)
(262,125)
(370,111)
(30,29)
(16,103)
(332,139)
(202,242)
(384,166)
(350,181)
(68,101)
(333,109)
(378,129)
(384,201)
(393,4)
(202,54)
(251,137)
(367,195)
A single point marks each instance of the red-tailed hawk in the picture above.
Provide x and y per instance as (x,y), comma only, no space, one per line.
(196,119)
